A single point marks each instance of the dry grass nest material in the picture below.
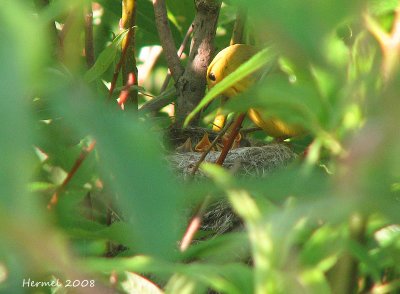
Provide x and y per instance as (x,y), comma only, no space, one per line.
(247,161)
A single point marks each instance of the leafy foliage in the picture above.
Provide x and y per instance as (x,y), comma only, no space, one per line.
(328,223)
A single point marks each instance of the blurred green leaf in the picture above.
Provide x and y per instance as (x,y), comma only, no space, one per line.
(132,164)
(378,7)
(105,59)
(298,28)
(297,103)
(182,13)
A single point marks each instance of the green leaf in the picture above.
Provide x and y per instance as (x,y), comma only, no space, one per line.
(298,29)
(297,103)
(379,7)
(133,167)
(258,61)
(21,59)
(315,281)
(105,58)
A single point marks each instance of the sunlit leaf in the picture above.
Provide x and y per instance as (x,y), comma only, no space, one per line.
(258,61)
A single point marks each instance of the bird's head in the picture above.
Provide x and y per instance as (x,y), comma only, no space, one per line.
(226,62)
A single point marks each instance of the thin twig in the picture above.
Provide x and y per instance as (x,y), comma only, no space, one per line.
(166,39)
(124,95)
(194,225)
(213,143)
(180,52)
(160,101)
(118,67)
(250,130)
(78,162)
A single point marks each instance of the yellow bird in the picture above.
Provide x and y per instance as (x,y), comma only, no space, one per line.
(227,61)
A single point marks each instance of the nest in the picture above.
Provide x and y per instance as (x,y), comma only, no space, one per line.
(245,162)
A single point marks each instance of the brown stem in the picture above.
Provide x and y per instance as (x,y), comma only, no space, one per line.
(235,131)
(180,52)
(78,162)
(125,93)
(192,85)
(129,69)
(89,43)
(166,39)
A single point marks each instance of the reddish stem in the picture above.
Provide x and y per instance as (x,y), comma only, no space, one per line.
(235,131)
(120,62)
(78,162)
(124,95)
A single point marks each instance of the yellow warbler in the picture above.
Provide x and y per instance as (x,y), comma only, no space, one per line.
(227,61)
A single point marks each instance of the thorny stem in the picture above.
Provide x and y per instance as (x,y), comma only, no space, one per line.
(78,162)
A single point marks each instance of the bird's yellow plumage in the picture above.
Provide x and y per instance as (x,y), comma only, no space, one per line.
(227,61)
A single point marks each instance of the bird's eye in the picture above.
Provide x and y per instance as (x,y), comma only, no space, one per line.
(212,77)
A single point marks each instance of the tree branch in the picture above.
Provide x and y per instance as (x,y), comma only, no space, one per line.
(180,52)
(191,86)
(166,39)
